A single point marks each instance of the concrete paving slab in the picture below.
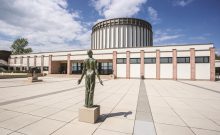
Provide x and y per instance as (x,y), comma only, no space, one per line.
(205,132)
(77,128)
(44,112)
(202,123)
(64,115)
(16,133)
(176,107)
(19,122)
(167,119)
(4,131)
(42,127)
(144,127)
(163,129)
(108,132)
(8,115)
(118,125)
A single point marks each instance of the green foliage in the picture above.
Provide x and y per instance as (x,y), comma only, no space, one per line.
(18,46)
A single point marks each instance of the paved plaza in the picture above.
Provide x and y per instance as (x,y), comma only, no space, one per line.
(139,107)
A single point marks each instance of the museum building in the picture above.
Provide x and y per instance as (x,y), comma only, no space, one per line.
(124,48)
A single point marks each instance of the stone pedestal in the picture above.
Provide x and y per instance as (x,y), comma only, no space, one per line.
(89,115)
(34,79)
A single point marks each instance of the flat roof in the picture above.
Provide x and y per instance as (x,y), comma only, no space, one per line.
(124,48)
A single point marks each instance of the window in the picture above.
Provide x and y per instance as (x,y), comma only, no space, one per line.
(202,59)
(149,60)
(77,68)
(121,61)
(165,60)
(135,61)
(105,68)
(17,68)
(183,60)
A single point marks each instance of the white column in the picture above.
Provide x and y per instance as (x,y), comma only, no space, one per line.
(144,36)
(104,37)
(134,36)
(126,36)
(107,35)
(94,46)
(142,39)
(138,36)
(112,37)
(116,36)
(98,38)
(101,39)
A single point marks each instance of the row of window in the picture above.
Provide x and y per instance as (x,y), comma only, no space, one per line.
(25,68)
(200,59)
(104,68)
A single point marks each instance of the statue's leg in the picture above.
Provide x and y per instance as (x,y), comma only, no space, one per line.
(91,92)
(87,83)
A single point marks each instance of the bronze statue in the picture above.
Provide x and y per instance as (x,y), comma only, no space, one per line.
(90,70)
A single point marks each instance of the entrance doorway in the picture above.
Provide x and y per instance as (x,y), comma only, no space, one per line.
(63,68)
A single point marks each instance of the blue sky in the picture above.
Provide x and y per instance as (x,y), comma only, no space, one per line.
(66,24)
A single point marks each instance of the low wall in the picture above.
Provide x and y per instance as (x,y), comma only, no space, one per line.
(13,75)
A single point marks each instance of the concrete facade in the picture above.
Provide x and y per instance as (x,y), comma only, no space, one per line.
(159,69)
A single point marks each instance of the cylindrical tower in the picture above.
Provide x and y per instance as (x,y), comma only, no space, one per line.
(121,33)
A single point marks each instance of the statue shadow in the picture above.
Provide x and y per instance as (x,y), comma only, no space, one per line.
(103,117)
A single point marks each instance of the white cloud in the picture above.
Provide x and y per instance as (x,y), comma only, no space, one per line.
(198,38)
(117,8)
(153,15)
(182,3)
(4,44)
(47,24)
(167,36)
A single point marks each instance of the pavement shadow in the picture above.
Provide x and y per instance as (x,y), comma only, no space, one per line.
(103,117)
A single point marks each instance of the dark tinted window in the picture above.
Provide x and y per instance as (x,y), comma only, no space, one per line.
(183,60)
(77,68)
(135,61)
(121,61)
(165,60)
(149,60)
(202,59)
(105,68)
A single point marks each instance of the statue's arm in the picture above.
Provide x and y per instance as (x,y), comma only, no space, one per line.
(97,73)
(83,72)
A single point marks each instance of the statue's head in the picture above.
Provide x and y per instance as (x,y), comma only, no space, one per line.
(90,53)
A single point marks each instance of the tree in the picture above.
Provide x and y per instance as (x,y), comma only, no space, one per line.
(18,46)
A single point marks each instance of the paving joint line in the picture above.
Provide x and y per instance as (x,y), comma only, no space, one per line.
(46,117)
(200,87)
(112,109)
(28,84)
(200,98)
(37,96)
(175,111)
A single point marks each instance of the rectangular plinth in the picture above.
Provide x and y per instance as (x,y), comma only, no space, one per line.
(89,115)
(34,79)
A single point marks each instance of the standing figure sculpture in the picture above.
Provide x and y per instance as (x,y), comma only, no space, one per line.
(90,71)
